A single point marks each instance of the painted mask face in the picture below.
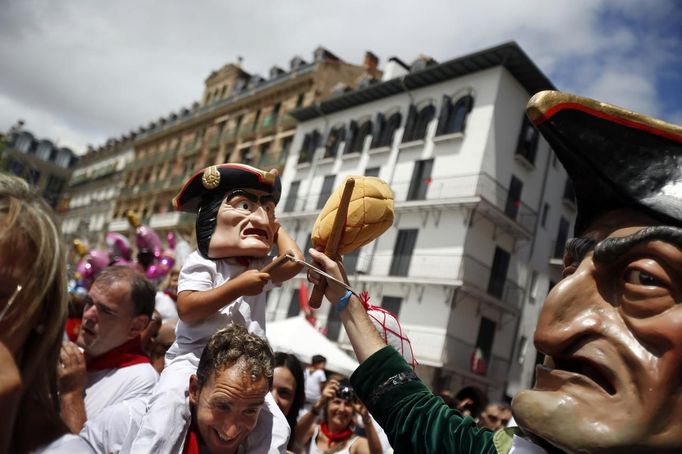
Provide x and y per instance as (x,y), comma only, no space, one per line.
(245,225)
(612,333)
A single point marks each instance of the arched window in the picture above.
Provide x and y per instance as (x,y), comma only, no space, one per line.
(453,117)
(334,139)
(417,122)
(356,136)
(310,143)
(385,129)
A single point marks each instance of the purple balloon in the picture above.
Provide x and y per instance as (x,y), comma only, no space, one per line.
(154,272)
(167,262)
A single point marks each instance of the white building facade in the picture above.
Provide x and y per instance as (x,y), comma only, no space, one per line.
(478,203)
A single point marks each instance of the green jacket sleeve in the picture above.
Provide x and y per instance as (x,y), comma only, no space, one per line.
(415,420)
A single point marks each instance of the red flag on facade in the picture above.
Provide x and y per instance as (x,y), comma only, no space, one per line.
(477,363)
(303,297)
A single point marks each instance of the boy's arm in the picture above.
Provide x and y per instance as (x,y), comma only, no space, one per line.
(195,306)
(290,269)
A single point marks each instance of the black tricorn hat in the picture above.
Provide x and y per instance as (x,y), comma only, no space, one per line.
(222,178)
(616,158)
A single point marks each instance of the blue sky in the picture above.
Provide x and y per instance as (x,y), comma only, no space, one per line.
(82,71)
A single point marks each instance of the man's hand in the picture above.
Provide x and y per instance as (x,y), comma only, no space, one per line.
(334,291)
(251,282)
(71,371)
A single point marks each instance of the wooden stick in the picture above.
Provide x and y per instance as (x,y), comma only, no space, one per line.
(276,263)
(332,248)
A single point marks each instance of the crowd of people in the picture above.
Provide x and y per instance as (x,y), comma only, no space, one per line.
(186,367)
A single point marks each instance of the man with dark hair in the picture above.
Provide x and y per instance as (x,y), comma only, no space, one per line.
(226,396)
(106,365)
(610,329)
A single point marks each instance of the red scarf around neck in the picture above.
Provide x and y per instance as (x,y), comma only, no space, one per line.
(126,354)
(333,437)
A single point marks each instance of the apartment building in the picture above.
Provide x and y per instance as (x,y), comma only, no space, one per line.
(481,207)
(41,162)
(242,117)
(90,199)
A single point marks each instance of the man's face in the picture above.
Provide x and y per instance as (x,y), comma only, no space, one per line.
(108,319)
(612,333)
(495,417)
(245,225)
(226,408)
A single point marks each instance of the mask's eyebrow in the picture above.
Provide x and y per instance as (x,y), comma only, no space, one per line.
(611,249)
(266,199)
(242,193)
(576,248)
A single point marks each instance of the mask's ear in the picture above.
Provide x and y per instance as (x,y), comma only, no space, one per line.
(138,325)
(194,390)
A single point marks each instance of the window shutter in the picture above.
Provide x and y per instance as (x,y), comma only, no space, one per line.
(352,134)
(408,134)
(378,129)
(303,154)
(445,109)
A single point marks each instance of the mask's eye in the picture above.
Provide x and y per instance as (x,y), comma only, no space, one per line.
(244,205)
(639,277)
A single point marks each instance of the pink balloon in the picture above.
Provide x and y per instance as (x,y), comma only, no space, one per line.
(99,260)
(154,272)
(170,237)
(119,245)
(167,262)
(146,238)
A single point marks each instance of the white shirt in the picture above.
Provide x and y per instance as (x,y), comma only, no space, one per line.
(66,444)
(109,386)
(117,426)
(313,382)
(199,274)
(165,305)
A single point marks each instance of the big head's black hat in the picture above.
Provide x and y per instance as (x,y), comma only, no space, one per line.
(616,158)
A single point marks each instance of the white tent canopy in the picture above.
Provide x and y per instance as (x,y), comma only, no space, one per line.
(298,337)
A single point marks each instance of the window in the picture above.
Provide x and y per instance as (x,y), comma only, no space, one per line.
(513,197)
(569,192)
(484,346)
(294,304)
(417,122)
(385,129)
(255,120)
(402,253)
(528,141)
(333,324)
(292,196)
(372,172)
(498,273)
(327,189)
(263,151)
(299,100)
(334,139)
(562,236)
(545,212)
(453,117)
(392,304)
(350,261)
(310,143)
(421,179)
(534,283)
(356,139)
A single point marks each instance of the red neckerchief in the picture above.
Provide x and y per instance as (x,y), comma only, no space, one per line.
(333,437)
(73,326)
(126,354)
(192,440)
(243,260)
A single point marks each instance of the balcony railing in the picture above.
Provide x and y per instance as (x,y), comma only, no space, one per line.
(451,188)
(473,185)
(470,271)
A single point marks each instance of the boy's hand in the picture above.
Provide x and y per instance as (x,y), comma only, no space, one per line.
(251,282)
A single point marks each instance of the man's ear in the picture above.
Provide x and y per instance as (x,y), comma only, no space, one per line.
(138,325)
(194,390)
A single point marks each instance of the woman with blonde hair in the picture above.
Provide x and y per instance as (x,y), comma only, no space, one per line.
(33,303)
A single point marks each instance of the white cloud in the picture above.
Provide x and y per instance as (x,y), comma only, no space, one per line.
(99,69)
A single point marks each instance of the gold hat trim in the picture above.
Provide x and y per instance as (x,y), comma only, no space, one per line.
(210,179)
